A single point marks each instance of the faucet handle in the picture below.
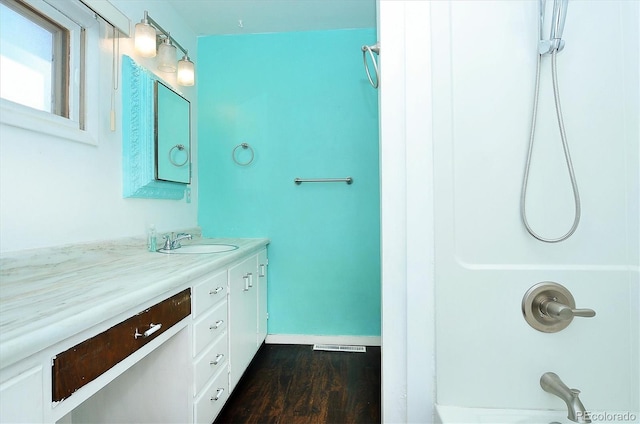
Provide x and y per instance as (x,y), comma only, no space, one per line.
(175,244)
(561,311)
(167,242)
(585,312)
(549,307)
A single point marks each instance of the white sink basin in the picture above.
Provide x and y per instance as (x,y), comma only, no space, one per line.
(201,248)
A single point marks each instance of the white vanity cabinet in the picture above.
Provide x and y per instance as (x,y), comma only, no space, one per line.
(247,312)
(159,359)
(263,314)
(21,397)
(243,317)
(230,324)
(210,347)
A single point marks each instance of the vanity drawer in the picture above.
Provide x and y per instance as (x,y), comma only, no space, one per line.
(209,292)
(209,327)
(212,399)
(213,360)
(86,361)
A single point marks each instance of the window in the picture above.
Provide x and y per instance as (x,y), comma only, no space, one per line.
(34,68)
(44,68)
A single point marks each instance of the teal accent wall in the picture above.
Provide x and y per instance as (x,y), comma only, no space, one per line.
(302,101)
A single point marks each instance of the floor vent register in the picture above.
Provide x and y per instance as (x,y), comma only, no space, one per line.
(339,348)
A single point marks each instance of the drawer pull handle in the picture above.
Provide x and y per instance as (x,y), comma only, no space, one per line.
(152,329)
(250,279)
(216,361)
(218,395)
(216,290)
(216,325)
(263,271)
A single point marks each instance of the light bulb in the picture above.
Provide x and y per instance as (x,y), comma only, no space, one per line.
(145,39)
(186,72)
(167,56)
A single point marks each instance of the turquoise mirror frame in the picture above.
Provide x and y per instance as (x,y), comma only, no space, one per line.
(138,137)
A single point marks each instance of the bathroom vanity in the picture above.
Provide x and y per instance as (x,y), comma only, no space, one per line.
(112,333)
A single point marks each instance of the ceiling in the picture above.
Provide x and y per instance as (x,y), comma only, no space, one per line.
(213,17)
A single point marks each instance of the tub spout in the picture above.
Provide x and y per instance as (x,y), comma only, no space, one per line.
(550,382)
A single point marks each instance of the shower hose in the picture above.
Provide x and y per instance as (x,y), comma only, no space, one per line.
(567,155)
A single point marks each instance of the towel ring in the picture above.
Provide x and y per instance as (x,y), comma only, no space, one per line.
(371,49)
(244,147)
(180,147)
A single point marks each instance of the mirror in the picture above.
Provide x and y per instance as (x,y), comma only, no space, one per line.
(143,129)
(172,135)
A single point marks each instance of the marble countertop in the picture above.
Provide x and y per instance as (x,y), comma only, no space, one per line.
(48,295)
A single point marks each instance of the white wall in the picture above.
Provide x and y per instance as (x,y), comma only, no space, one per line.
(479,75)
(408,390)
(55,191)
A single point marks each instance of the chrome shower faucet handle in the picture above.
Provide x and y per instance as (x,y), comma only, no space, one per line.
(550,307)
(561,311)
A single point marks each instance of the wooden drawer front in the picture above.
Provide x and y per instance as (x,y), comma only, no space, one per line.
(209,292)
(209,327)
(213,360)
(88,360)
(212,399)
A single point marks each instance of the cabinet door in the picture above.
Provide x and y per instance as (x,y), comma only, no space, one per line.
(262,296)
(21,398)
(243,317)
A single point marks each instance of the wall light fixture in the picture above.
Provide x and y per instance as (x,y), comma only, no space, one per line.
(149,43)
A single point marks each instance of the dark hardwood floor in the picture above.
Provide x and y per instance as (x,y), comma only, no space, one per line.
(293,384)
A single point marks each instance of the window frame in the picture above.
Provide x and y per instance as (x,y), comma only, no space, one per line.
(60,50)
(82,53)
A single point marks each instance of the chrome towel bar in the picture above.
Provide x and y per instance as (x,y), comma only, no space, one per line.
(347,180)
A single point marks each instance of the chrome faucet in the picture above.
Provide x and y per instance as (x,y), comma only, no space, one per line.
(175,243)
(550,382)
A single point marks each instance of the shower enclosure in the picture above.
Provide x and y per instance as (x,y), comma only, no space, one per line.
(452,163)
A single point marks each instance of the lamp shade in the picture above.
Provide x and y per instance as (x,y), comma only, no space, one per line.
(186,72)
(145,39)
(167,61)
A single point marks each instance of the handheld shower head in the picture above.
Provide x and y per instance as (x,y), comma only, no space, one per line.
(555,43)
(558,18)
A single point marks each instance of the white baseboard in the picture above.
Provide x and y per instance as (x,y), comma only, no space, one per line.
(304,339)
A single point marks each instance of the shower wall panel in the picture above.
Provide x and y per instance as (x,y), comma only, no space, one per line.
(484,65)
